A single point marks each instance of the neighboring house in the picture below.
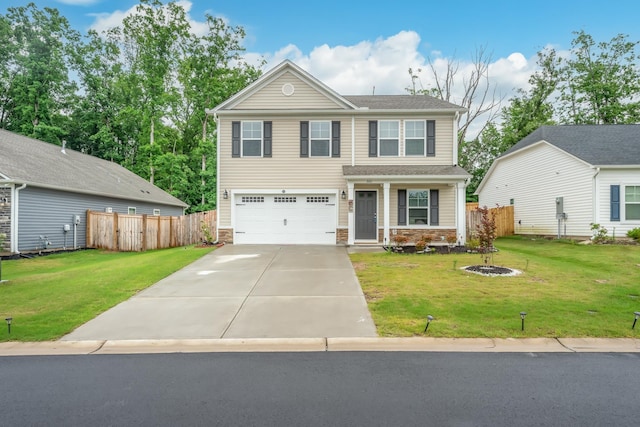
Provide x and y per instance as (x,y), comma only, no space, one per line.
(589,173)
(299,163)
(46,190)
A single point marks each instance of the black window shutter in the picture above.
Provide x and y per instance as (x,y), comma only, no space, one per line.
(434,213)
(431,138)
(615,203)
(373,138)
(335,139)
(304,139)
(402,207)
(267,127)
(235,139)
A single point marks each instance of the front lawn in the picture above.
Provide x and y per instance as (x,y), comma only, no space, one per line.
(567,290)
(50,296)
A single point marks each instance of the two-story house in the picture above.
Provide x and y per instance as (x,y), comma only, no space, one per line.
(300,164)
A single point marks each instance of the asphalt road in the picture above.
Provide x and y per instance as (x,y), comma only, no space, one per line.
(322,389)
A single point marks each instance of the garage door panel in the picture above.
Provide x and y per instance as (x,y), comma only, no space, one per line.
(290,219)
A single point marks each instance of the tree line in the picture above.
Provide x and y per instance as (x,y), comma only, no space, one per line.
(135,94)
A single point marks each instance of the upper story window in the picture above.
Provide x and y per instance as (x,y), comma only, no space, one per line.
(320,139)
(389,139)
(415,137)
(251,139)
(419,138)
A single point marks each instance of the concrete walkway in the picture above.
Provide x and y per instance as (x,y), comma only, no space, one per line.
(244,291)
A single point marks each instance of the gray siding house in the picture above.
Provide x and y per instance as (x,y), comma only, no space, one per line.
(46,190)
(560,179)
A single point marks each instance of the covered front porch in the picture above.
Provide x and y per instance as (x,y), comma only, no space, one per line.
(413,201)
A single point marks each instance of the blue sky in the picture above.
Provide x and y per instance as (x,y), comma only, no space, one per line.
(357,47)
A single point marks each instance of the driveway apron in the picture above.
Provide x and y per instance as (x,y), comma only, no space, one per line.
(245,291)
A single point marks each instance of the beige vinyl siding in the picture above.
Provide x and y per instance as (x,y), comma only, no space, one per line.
(285,169)
(446,203)
(271,97)
(444,142)
(534,177)
(605,179)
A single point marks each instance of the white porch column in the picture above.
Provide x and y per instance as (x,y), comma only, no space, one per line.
(385,198)
(351,229)
(461,207)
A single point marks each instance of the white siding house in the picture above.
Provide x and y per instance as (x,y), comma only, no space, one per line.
(589,173)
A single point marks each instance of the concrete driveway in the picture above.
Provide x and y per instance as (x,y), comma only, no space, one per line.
(245,291)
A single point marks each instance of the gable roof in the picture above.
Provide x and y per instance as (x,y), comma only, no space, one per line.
(40,164)
(349,103)
(598,145)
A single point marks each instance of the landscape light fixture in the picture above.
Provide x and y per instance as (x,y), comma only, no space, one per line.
(9,319)
(343,195)
(637,316)
(225,195)
(523,314)
(429,319)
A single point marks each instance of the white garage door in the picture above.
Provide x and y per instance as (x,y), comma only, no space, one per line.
(285,219)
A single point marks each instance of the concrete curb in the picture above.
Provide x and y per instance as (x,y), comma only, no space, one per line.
(424,344)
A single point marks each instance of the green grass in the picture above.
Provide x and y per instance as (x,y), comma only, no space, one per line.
(568,290)
(50,296)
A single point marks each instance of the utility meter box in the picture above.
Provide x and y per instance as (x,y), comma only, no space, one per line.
(76,219)
(66,227)
(559,205)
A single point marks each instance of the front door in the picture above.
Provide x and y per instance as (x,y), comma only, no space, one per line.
(366,215)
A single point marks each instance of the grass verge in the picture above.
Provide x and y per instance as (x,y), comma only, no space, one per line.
(50,296)
(567,290)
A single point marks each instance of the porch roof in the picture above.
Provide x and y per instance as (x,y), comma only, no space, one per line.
(400,172)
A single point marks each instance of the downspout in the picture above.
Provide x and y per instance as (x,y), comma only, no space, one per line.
(455,138)
(215,119)
(353,140)
(14,219)
(595,202)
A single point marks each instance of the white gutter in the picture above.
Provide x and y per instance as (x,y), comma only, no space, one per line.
(14,218)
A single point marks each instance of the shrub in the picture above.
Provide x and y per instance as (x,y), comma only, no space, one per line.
(634,234)
(399,239)
(600,234)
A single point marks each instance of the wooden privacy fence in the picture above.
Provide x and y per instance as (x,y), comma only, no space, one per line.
(134,233)
(503,216)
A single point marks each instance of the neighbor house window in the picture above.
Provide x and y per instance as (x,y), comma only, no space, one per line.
(131,211)
(414,137)
(632,202)
(251,139)
(389,137)
(320,139)
(418,206)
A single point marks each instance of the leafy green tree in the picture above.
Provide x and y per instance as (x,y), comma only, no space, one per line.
(37,90)
(601,82)
(477,155)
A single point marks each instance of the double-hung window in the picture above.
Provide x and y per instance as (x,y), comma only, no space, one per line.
(414,137)
(320,139)
(251,139)
(389,131)
(418,206)
(632,202)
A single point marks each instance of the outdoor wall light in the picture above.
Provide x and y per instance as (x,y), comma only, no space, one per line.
(429,319)
(9,319)
(343,195)
(523,314)
(637,316)
(225,195)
